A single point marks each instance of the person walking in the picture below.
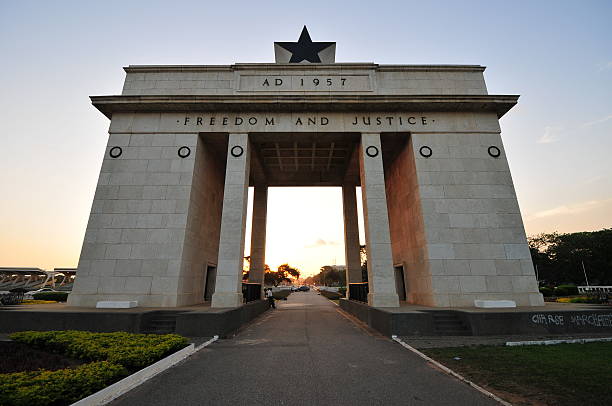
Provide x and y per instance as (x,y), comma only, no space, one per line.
(270,297)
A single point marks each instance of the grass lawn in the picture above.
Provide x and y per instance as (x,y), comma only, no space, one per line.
(564,374)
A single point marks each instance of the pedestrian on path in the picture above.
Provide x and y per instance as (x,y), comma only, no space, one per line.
(270,298)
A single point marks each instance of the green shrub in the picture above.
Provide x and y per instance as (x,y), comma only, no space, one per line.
(281,294)
(11,298)
(133,351)
(61,387)
(342,292)
(331,295)
(57,296)
(587,299)
(566,290)
(114,356)
(546,291)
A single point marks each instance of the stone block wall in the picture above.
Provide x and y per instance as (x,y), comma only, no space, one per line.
(174,81)
(133,245)
(398,80)
(455,222)
(246,79)
(476,243)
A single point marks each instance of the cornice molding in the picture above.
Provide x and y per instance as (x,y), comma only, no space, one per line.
(302,67)
(499,104)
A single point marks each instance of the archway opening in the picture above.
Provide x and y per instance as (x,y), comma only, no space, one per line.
(304,229)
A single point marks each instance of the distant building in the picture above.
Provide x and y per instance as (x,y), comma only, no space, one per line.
(24,278)
(36,278)
(337,267)
(63,278)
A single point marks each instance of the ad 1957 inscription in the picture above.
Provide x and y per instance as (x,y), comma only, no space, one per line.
(308,83)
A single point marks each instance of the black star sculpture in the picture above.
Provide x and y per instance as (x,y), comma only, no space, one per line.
(305,49)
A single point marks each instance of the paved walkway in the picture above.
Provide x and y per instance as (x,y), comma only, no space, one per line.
(304,353)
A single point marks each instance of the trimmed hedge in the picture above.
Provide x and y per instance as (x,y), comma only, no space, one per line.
(583,299)
(281,294)
(330,295)
(133,351)
(566,290)
(547,292)
(114,356)
(11,298)
(61,387)
(56,296)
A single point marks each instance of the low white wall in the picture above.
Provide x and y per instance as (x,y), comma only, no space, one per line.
(329,288)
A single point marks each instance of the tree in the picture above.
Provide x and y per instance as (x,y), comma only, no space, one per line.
(332,276)
(311,280)
(294,272)
(560,257)
(282,274)
(363,255)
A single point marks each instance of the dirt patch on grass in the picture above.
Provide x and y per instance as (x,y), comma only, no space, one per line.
(17,357)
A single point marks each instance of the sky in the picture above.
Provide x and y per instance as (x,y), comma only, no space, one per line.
(556,54)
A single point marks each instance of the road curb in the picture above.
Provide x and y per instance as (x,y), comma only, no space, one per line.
(451,372)
(554,342)
(112,392)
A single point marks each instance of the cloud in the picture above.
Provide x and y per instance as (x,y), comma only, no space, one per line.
(550,135)
(605,66)
(569,209)
(601,120)
(321,243)
(594,179)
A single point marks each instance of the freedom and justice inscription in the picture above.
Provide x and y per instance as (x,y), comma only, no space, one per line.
(231,122)
(368,122)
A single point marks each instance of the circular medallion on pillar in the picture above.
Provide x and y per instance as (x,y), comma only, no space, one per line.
(494,151)
(115,152)
(184,152)
(425,151)
(237,151)
(371,151)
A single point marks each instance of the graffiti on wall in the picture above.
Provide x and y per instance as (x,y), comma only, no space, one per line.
(580,320)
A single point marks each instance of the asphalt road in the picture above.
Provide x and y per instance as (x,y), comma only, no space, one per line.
(304,353)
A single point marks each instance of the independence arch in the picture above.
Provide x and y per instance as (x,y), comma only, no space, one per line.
(423,143)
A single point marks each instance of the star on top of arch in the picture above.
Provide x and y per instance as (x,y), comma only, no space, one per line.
(305,50)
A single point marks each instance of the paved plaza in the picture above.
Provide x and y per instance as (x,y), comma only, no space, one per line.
(304,352)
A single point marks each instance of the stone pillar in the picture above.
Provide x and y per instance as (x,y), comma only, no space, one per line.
(137,246)
(471,242)
(351,235)
(381,278)
(228,286)
(258,234)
